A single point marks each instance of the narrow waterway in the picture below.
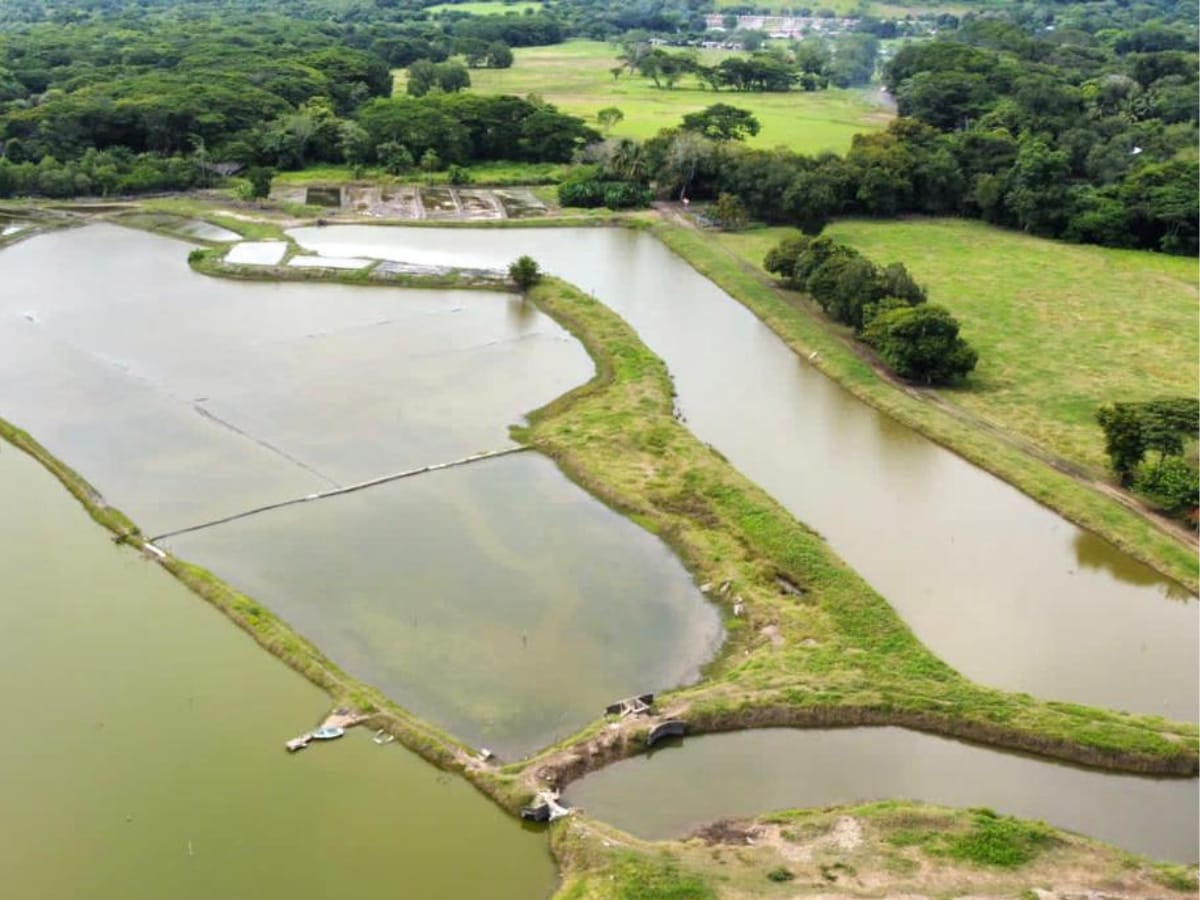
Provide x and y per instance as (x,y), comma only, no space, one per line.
(144,754)
(1004,590)
(752,772)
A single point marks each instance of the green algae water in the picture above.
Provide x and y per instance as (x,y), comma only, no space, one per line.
(144,755)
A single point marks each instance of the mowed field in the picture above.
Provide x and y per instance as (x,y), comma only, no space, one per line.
(575,77)
(1060,328)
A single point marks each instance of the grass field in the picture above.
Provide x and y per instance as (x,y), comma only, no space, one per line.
(575,77)
(1060,328)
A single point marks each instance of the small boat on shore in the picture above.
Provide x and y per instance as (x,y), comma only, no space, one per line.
(328,733)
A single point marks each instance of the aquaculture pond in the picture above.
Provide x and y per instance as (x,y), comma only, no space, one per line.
(145,755)
(491,598)
(501,602)
(751,772)
(1006,591)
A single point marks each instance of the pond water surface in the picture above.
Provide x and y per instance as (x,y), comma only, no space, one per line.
(145,749)
(491,599)
(751,772)
(1004,590)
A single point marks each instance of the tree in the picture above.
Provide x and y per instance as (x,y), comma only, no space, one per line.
(525,273)
(394,157)
(921,343)
(498,55)
(1130,429)
(1170,484)
(422,77)
(609,117)
(430,162)
(260,181)
(729,213)
(722,122)
(452,77)
(1123,439)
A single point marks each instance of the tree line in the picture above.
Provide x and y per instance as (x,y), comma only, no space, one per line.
(887,309)
(811,64)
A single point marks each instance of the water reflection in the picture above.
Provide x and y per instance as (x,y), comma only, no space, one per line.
(1095,553)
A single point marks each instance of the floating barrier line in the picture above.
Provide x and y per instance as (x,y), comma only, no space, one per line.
(334,492)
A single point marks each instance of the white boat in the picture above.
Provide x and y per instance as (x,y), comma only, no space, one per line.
(328,734)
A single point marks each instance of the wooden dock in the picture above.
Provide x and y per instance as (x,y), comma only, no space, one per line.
(339,718)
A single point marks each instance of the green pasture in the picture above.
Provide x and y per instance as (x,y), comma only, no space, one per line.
(1060,328)
(576,78)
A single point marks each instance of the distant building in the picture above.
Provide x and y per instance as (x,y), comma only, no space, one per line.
(782,26)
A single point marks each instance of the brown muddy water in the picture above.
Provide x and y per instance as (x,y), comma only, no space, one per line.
(674,790)
(503,603)
(144,755)
(1004,590)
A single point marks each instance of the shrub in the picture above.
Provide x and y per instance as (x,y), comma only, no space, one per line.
(1000,841)
(921,343)
(583,192)
(525,272)
(625,195)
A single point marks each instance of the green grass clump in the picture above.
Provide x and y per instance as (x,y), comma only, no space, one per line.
(639,878)
(576,77)
(1001,841)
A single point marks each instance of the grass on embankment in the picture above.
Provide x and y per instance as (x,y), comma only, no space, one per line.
(1060,328)
(575,76)
(890,848)
(835,653)
(800,323)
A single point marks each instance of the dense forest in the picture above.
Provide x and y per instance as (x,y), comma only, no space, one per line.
(1064,119)
(122,98)
(1068,133)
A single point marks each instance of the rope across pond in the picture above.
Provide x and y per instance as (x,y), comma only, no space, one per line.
(334,492)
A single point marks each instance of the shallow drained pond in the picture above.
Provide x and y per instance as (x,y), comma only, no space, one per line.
(677,789)
(500,601)
(145,755)
(1004,590)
